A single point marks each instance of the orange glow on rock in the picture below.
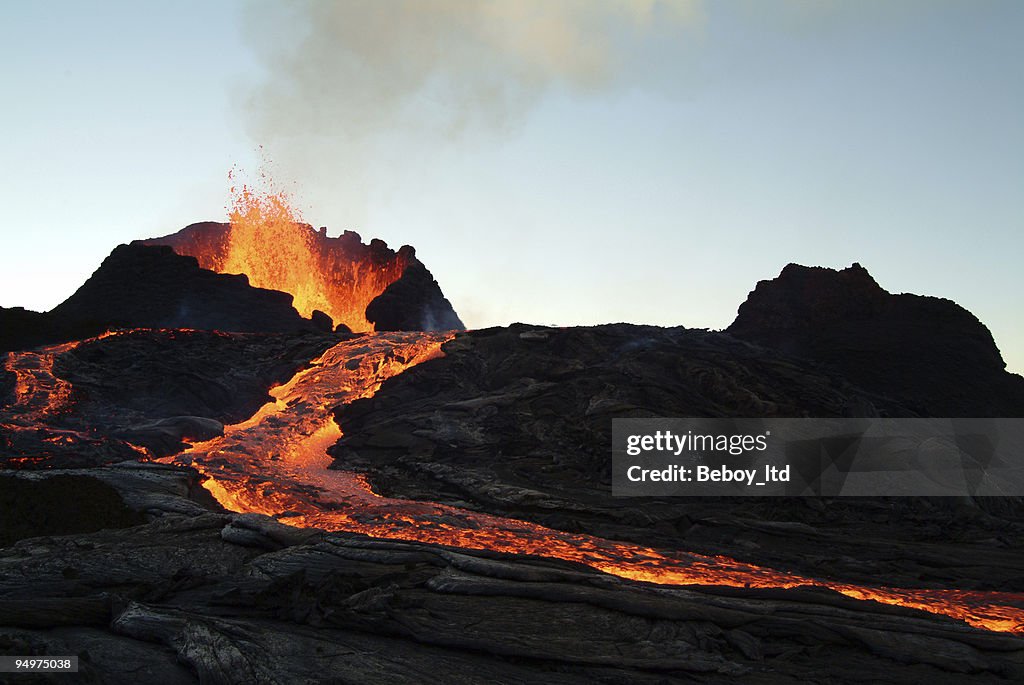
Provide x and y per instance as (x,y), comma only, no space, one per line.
(41,398)
(268,242)
(275,464)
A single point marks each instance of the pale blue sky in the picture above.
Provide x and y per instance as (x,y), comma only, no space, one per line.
(719,149)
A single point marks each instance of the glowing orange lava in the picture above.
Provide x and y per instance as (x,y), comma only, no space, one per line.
(268,242)
(37,391)
(41,398)
(275,463)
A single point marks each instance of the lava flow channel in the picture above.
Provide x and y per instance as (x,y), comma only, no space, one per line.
(42,399)
(275,463)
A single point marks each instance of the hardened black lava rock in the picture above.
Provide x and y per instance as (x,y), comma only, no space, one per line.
(929,353)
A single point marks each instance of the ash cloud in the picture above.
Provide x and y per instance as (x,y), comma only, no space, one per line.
(339,76)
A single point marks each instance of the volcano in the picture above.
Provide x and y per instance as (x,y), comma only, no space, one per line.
(363,287)
(251,452)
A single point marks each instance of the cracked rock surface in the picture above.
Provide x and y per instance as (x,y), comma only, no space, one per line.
(212,597)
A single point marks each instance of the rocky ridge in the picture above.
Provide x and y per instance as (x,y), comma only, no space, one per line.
(929,353)
(213,597)
(152,580)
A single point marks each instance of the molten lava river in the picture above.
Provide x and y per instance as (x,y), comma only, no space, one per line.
(275,463)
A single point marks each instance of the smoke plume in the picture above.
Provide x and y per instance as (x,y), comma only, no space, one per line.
(338,76)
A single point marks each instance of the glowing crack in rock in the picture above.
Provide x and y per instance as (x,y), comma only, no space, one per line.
(40,397)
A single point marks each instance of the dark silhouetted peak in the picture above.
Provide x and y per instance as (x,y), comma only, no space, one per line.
(413,303)
(804,297)
(140,286)
(928,351)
